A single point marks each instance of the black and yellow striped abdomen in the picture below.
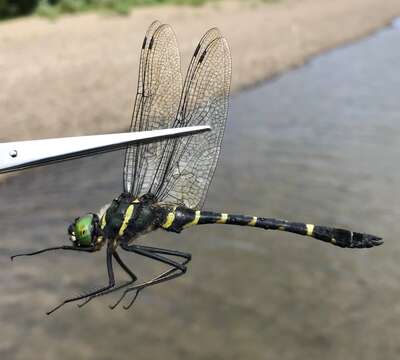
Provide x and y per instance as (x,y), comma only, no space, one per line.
(178,218)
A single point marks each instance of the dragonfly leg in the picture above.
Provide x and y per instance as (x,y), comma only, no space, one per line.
(66,247)
(165,276)
(178,269)
(127,283)
(111,283)
(140,287)
(176,253)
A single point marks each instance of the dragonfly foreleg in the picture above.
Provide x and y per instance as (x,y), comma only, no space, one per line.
(111,283)
(66,247)
(177,270)
(127,283)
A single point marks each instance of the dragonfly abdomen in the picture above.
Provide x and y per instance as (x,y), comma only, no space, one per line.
(178,218)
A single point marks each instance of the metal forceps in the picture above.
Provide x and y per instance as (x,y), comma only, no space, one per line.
(18,155)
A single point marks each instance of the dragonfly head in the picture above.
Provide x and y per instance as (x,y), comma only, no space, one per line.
(85,231)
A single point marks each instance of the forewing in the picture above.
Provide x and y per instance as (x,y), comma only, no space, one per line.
(156,104)
(188,163)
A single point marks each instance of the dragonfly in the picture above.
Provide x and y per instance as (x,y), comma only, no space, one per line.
(165,182)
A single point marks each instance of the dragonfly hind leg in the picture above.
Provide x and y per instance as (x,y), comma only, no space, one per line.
(178,268)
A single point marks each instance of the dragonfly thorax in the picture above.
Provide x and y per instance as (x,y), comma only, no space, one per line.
(128,216)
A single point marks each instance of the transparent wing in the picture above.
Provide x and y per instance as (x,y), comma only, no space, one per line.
(187,165)
(156,104)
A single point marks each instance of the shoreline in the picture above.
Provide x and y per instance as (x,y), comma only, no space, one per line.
(77,75)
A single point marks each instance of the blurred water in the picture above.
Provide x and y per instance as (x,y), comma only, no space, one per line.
(319,144)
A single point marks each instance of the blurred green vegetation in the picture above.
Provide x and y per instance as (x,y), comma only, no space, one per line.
(11,8)
(52,8)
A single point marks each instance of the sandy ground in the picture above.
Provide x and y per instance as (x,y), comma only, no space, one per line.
(77,75)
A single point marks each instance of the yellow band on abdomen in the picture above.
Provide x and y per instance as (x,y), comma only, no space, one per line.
(222,219)
(194,221)
(170,219)
(253,221)
(310,229)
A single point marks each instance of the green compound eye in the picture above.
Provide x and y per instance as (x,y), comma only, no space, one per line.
(83,230)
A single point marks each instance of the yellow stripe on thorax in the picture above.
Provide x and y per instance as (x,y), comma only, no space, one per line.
(194,221)
(103,221)
(127,217)
(310,229)
(222,219)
